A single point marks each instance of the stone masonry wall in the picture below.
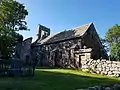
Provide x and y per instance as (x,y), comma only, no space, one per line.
(105,67)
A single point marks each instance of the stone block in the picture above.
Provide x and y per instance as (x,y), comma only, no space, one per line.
(110,73)
(108,62)
(116,72)
(111,69)
(84,67)
(98,72)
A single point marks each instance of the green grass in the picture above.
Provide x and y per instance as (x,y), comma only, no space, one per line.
(56,79)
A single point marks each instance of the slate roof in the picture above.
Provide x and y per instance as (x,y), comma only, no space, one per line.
(67,34)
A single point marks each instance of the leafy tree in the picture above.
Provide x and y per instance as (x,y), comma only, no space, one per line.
(12,15)
(115,51)
(113,38)
(12,19)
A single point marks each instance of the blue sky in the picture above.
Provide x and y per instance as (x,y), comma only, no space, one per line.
(65,14)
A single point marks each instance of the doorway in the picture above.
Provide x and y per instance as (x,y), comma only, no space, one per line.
(56,59)
(80,65)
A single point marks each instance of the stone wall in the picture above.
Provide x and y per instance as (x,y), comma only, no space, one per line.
(57,54)
(103,66)
(103,87)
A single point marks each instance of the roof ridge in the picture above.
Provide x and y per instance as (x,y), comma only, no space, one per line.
(88,25)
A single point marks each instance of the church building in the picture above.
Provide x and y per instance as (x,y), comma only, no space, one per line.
(68,48)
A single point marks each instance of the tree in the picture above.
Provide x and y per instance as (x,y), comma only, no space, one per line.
(113,38)
(12,15)
(12,19)
(115,51)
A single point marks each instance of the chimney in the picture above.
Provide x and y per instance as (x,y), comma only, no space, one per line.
(39,31)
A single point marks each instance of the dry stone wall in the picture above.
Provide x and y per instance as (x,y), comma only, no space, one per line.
(106,67)
(105,87)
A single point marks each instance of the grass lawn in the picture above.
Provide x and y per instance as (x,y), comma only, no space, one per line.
(56,79)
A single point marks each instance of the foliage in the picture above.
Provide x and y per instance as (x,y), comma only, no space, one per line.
(113,34)
(115,51)
(12,15)
(113,38)
(12,19)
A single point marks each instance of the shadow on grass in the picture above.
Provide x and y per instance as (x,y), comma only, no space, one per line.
(52,67)
(47,80)
(67,81)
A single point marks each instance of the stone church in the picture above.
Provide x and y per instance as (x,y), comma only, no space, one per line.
(68,48)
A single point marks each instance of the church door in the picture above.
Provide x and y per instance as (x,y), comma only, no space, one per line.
(80,65)
(56,59)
